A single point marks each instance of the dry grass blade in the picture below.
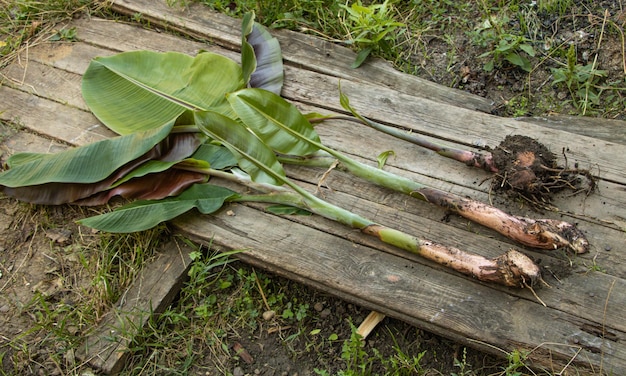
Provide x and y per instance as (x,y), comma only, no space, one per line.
(25,24)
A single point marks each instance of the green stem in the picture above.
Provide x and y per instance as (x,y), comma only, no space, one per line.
(540,233)
(470,158)
(510,269)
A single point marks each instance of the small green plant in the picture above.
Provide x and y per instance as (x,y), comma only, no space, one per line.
(516,361)
(402,364)
(68,35)
(502,46)
(370,29)
(137,17)
(297,311)
(582,81)
(464,368)
(357,360)
(593,266)
(518,106)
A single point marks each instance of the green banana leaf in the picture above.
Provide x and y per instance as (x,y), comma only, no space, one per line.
(275,121)
(144,214)
(86,164)
(57,178)
(139,90)
(253,156)
(218,157)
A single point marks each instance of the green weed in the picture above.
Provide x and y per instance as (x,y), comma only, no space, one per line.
(370,28)
(67,35)
(582,81)
(401,363)
(464,368)
(501,45)
(559,7)
(516,363)
(359,362)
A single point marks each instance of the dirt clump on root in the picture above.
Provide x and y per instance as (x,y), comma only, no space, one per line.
(527,169)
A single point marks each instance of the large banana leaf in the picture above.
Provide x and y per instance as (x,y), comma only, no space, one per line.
(275,121)
(253,156)
(86,164)
(139,90)
(56,179)
(145,214)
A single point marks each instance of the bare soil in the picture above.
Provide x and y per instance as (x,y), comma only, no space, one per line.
(594,28)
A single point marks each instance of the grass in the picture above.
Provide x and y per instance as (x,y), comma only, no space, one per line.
(26,23)
(224,299)
(226,302)
(83,279)
(513,40)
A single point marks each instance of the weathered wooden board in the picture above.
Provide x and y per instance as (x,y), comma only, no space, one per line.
(583,317)
(604,129)
(409,157)
(154,289)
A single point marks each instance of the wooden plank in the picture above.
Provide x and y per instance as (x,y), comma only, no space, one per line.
(74,127)
(421,115)
(106,348)
(441,169)
(587,306)
(607,204)
(603,129)
(298,49)
(432,299)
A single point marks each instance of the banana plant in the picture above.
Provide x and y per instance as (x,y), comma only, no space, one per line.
(183,119)
(267,114)
(258,159)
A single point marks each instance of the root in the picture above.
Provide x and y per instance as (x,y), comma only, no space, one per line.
(528,170)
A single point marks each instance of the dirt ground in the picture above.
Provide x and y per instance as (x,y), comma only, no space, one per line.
(594,29)
(44,254)
(43,261)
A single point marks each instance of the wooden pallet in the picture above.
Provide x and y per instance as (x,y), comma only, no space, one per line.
(582,322)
